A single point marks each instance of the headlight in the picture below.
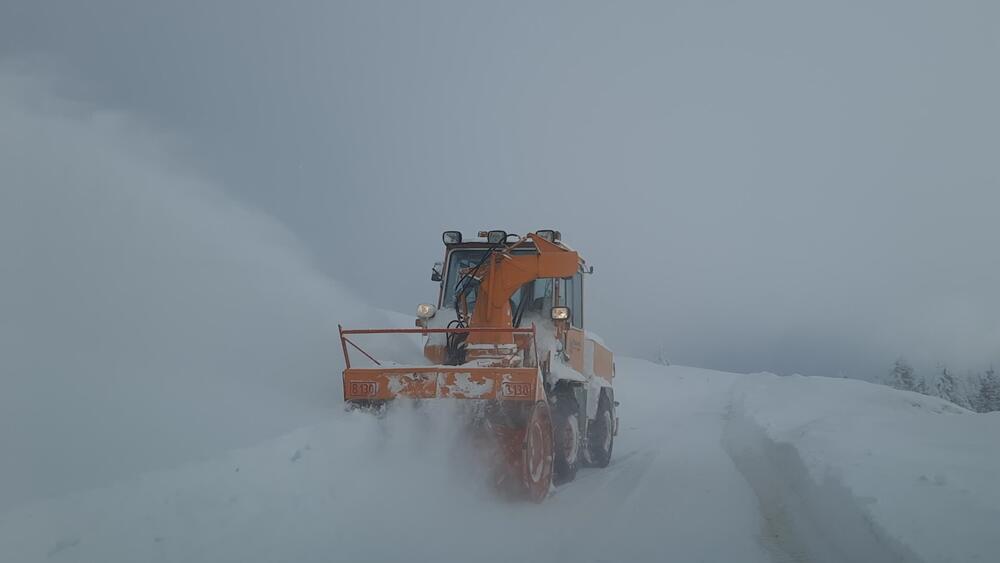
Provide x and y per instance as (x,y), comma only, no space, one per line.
(451,237)
(560,313)
(426,310)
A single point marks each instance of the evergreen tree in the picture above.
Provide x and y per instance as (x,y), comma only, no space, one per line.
(945,384)
(947,388)
(989,392)
(976,398)
(901,376)
(661,357)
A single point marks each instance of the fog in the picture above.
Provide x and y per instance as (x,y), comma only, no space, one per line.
(766,186)
(194,194)
(147,318)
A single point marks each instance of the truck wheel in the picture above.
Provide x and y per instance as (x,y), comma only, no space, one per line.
(536,452)
(566,427)
(601,434)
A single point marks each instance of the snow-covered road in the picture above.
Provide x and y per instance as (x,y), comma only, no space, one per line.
(345,491)
(804,486)
(672,492)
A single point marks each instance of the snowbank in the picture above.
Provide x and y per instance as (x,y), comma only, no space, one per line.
(851,471)
(351,489)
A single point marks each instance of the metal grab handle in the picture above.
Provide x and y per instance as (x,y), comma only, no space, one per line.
(344,341)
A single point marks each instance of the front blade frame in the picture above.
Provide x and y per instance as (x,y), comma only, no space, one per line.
(442,382)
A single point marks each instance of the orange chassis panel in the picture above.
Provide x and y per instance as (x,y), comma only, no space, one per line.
(440,382)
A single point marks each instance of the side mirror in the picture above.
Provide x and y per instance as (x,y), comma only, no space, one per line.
(560,313)
(436,271)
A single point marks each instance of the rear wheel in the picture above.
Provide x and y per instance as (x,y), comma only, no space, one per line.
(566,426)
(601,434)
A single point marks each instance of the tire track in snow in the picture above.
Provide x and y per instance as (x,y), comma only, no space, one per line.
(803,521)
(671,493)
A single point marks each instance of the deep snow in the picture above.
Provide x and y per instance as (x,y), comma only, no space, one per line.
(356,489)
(832,470)
(863,472)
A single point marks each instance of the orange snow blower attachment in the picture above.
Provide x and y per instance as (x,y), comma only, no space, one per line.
(518,381)
(515,421)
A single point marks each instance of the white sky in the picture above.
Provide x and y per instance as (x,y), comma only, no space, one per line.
(777,186)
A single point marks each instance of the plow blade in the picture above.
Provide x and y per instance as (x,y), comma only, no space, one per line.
(514,418)
(442,382)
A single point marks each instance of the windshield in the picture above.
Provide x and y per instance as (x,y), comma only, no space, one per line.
(460,260)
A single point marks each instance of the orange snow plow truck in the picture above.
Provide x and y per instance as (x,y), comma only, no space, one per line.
(507,337)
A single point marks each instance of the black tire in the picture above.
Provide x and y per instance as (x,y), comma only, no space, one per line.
(601,434)
(567,438)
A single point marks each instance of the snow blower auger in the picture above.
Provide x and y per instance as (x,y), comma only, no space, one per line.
(508,335)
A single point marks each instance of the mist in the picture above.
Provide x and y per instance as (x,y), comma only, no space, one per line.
(194,194)
(135,290)
(763,187)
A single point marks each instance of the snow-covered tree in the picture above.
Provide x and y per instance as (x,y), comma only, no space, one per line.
(945,384)
(976,398)
(661,357)
(947,388)
(989,392)
(901,376)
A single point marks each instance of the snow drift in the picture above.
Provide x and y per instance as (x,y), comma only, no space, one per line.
(350,489)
